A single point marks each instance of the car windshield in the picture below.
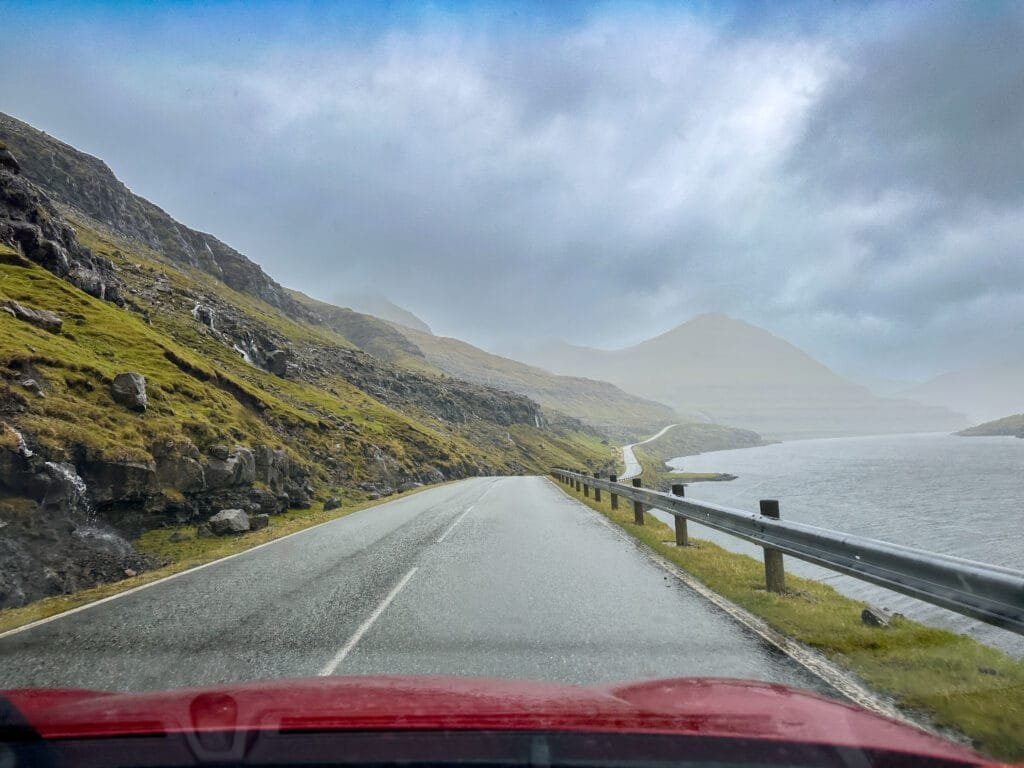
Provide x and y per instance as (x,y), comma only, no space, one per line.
(638,368)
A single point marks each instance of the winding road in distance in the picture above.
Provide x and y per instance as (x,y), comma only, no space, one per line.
(505,577)
(633,467)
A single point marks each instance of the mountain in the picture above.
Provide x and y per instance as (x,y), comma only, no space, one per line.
(1008,426)
(983,392)
(729,371)
(379,306)
(620,414)
(150,375)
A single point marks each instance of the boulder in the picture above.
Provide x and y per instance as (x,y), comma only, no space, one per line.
(9,161)
(277,362)
(332,503)
(259,521)
(239,468)
(41,318)
(229,521)
(32,386)
(129,390)
(875,617)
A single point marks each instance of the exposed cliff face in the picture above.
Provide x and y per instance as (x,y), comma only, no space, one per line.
(30,222)
(86,184)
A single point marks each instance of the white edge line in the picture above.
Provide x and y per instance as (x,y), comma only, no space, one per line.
(346,649)
(452,526)
(815,663)
(125,593)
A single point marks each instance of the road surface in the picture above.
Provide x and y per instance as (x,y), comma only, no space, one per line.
(633,467)
(505,577)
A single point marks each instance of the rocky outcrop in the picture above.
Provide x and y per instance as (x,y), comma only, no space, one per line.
(229,521)
(41,318)
(129,390)
(31,224)
(52,541)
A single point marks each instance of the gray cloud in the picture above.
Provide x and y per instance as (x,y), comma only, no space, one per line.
(852,181)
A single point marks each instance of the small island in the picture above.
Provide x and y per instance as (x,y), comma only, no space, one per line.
(1008,426)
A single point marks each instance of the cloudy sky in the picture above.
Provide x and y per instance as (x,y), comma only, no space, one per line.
(849,176)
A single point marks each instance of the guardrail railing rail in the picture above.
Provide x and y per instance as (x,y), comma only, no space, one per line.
(990,593)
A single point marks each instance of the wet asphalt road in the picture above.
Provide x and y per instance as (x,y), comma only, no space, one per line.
(503,577)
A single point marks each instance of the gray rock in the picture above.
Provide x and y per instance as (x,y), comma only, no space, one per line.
(229,521)
(41,318)
(220,452)
(204,531)
(277,362)
(408,486)
(238,468)
(112,481)
(176,537)
(259,521)
(875,617)
(129,390)
(272,467)
(332,503)
(32,386)
(9,161)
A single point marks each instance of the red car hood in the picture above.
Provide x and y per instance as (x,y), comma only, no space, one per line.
(688,706)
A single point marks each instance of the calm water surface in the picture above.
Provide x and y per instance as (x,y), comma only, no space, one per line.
(958,495)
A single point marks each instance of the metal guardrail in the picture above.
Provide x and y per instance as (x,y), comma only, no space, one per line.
(990,593)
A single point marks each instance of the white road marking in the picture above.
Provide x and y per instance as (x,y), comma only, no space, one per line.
(452,526)
(346,649)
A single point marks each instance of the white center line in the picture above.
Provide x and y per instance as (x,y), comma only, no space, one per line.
(365,626)
(457,521)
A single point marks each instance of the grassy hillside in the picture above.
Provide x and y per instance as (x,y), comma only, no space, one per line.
(617,413)
(251,399)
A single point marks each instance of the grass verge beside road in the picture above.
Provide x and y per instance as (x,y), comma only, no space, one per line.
(952,680)
(183,549)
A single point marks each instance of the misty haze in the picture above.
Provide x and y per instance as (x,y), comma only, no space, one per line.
(518,333)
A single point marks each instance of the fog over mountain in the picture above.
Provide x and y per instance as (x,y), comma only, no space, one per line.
(721,370)
(847,176)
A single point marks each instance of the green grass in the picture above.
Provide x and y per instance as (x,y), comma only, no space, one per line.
(954,681)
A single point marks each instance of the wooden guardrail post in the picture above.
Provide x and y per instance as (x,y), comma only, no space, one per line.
(682,536)
(638,507)
(586,489)
(597,491)
(774,571)
(615,496)
(578,486)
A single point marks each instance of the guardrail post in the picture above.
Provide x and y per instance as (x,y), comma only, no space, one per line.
(774,572)
(586,490)
(638,508)
(597,491)
(615,496)
(682,536)
(578,486)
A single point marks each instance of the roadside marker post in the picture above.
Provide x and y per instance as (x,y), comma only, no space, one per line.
(682,536)
(774,571)
(638,507)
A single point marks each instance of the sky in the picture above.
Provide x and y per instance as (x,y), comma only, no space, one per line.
(849,176)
